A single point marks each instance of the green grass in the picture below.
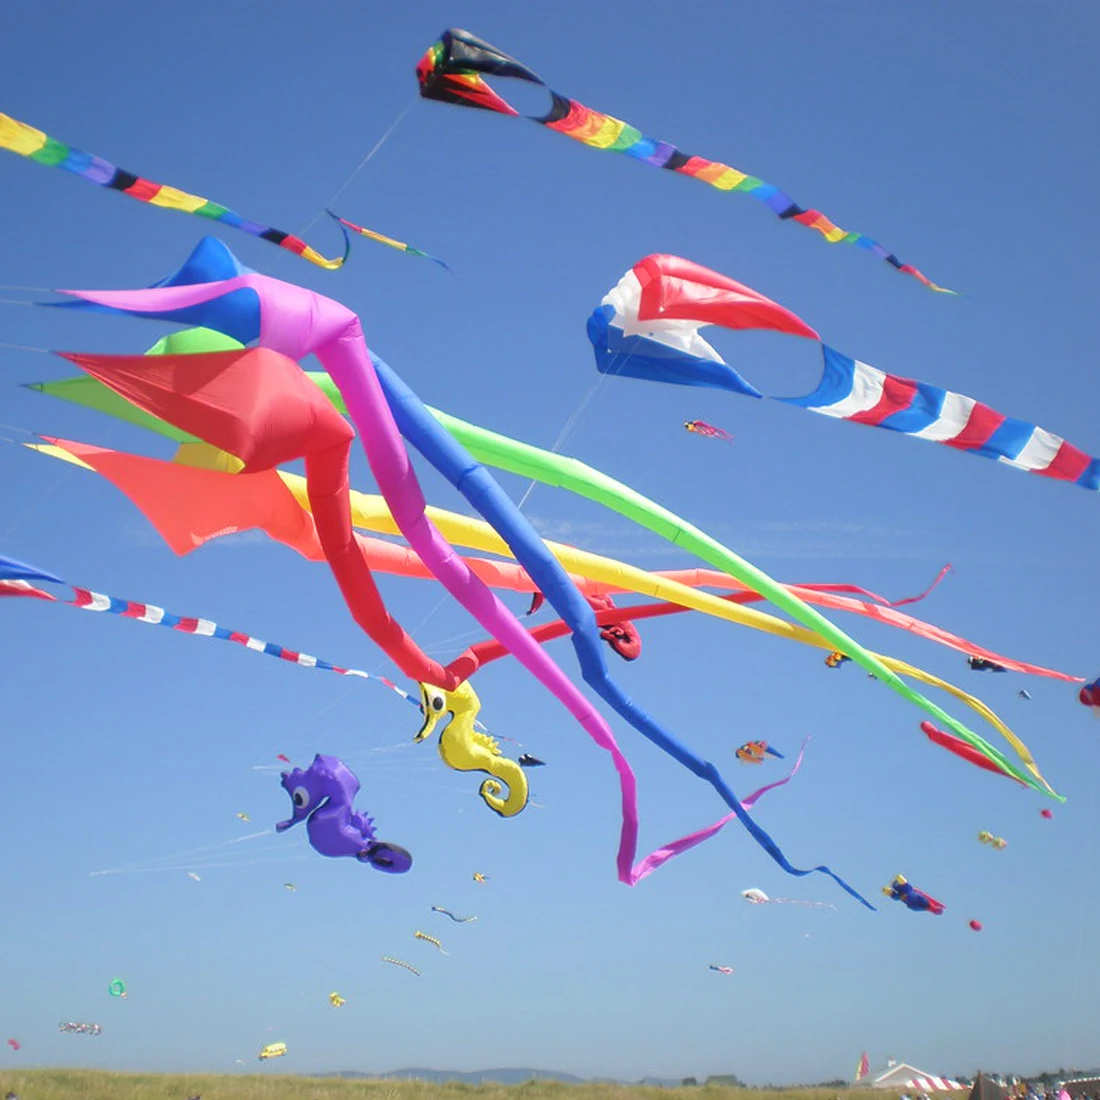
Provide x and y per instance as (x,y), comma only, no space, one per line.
(76,1084)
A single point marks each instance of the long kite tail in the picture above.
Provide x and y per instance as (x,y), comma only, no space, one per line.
(451,71)
(18,137)
(381,238)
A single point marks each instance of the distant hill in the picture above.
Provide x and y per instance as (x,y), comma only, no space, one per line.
(474,1077)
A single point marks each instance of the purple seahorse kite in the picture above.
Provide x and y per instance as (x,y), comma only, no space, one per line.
(324,797)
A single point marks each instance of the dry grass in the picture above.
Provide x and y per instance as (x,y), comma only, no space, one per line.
(75,1084)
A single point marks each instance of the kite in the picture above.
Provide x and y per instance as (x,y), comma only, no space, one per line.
(336,1000)
(647,327)
(323,797)
(291,887)
(18,137)
(836,659)
(451,72)
(1089,696)
(961,748)
(382,239)
(479,877)
(529,761)
(755,896)
(1023,693)
(620,634)
(272,1050)
(117,988)
(996,842)
(448,913)
(911,897)
(975,925)
(753,752)
(708,431)
(398,962)
(284,759)
(15,1044)
(243,817)
(295,321)
(980,664)
(727,970)
(430,939)
(79,1029)
(1048,814)
(465,749)
(192,875)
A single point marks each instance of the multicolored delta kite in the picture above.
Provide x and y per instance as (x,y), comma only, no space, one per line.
(648,327)
(453,71)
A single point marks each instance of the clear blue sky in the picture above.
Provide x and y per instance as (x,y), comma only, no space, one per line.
(953,134)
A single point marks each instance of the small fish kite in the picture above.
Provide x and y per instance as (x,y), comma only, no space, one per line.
(18,137)
(432,940)
(727,970)
(529,761)
(911,897)
(382,239)
(399,962)
(708,431)
(451,72)
(980,664)
(998,843)
(753,752)
(836,659)
(448,913)
(272,1050)
(336,1000)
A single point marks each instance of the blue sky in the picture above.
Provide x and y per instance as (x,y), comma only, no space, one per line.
(951,134)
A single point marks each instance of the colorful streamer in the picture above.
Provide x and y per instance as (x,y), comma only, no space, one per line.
(381,238)
(451,72)
(18,137)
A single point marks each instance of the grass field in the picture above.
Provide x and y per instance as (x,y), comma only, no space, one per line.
(75,1084)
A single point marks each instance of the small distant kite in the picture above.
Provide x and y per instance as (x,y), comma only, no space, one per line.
(836,659)
(708,431)
(448,913)
(192,875)
(1023,693)
(1090,696)
(1048,814)
(290,886)
(727,970)
(79,1029)
(756,896)
(753,752)
(996,842)
(336,1000)
(272,1050)
(284,759)
(15,1044)
(244,817)
(479,877)
(980,664)
(911,897)
(975,925)
(432,940)
(529,761)
(117,988)
(399,962)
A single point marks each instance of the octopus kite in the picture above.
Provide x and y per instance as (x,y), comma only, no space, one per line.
(754,752)
(323,797)
(912,898)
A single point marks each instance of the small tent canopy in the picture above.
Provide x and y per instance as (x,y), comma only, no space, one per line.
(986,1089)
(906,1078)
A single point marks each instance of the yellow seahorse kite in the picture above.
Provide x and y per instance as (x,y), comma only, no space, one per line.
(465,749)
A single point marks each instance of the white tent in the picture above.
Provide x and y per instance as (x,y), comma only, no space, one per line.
(908,1078)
